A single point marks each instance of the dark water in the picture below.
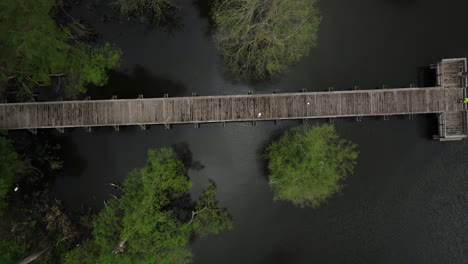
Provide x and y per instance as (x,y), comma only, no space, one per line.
(406,201)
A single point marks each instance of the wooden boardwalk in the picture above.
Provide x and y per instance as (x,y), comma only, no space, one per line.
(207,109)
(239,108)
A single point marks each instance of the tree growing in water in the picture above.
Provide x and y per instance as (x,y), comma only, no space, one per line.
(153,10)
(308,163)
(34,50)
(261,38)
(153,221)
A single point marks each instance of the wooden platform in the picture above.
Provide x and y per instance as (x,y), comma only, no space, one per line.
(235,108)
(453,124)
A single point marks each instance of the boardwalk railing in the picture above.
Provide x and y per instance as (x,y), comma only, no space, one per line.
(237,108)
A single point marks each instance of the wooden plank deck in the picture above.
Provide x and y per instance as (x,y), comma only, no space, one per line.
(236,108)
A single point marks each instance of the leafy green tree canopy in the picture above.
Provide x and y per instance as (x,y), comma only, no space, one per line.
(10,252)
(261,38)
(33,50)
(152,222)
(153,10)
(308,163)
(8,162)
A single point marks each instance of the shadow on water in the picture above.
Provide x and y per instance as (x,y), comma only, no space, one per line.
(47,147)
(171,23)
(138,81)
(184,154)
(427,77)
(70,153)
(280,255)
(204,8)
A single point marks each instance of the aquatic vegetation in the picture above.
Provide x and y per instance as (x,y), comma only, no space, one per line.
(262,38)
(308,163)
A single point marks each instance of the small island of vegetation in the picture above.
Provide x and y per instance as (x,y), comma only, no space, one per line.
(308,163)
(261,38)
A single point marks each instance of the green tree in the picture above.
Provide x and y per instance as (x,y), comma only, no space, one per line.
(33,50)
(10,252)
(308,163)
(154,10)
(261,38)
(152,222)
(8,163)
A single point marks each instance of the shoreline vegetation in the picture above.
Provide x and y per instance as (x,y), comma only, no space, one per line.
(154,220)
(37,52)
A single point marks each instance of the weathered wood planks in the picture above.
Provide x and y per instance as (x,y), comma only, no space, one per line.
(205,109)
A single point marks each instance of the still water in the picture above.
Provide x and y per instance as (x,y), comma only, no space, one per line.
(406,201)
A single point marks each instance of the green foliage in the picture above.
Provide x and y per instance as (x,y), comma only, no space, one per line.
(308,163)
(8,162)
(153,10)
(261,38)
(146,220)
(10,252)
(34,50)
(208,219)
(86,253)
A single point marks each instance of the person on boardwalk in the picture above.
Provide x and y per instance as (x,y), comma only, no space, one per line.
(464,101)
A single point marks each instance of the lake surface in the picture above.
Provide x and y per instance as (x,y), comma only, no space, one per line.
(406,201)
